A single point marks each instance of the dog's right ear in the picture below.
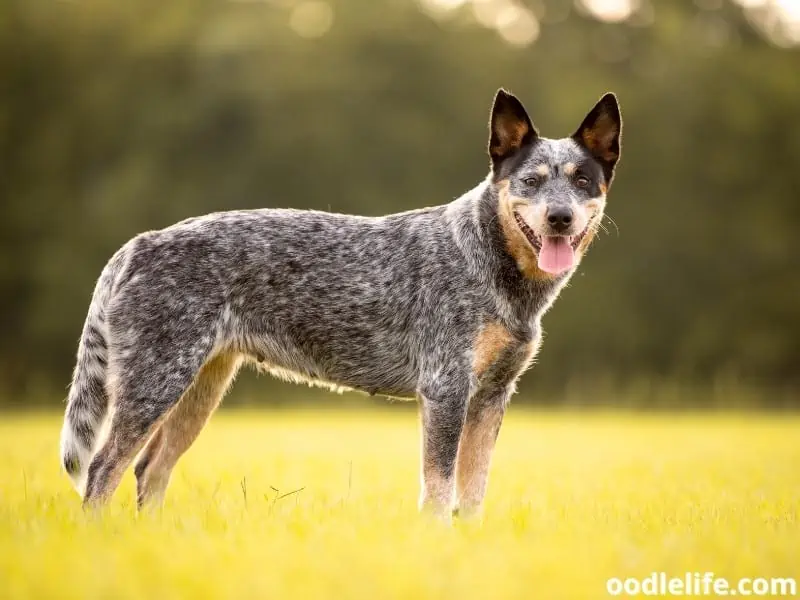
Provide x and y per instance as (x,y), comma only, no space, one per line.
(510,127)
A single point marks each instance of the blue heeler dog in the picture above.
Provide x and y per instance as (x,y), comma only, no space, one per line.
(442,303)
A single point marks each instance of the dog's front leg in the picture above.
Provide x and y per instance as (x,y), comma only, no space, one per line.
(484,417)
(443,411)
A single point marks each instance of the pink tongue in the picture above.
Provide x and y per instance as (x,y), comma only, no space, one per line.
(556,255)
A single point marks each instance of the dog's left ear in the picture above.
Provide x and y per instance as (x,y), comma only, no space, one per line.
(510,127)
(601,132)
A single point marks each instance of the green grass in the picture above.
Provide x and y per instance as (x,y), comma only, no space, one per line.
(574,498)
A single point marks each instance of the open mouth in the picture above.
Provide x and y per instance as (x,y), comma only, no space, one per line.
(536,240)
(555,253)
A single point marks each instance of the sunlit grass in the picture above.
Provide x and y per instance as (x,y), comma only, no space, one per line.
(574,499)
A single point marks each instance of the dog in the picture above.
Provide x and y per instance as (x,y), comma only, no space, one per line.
(442,304)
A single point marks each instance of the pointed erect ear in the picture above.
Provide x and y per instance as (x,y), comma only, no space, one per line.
(601,131)
(510,127)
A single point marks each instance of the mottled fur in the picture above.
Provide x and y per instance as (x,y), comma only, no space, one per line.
(443,304)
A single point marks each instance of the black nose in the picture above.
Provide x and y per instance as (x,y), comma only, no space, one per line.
(560,218)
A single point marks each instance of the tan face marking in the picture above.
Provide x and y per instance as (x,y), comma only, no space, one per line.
(590,214)
(569,168)
(516,243)
(594,213)
(542,170)
(490,343)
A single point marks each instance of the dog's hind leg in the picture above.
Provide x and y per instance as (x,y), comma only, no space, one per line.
(143,391)
(181,428)
(145,457)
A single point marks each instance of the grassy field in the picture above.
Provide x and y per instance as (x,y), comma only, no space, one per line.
(575,498)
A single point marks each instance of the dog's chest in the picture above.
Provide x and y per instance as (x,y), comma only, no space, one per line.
(500,356)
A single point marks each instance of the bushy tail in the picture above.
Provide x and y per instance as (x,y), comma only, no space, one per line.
(87,403)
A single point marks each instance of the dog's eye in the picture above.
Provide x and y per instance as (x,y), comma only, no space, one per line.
(531,181)
(582,181)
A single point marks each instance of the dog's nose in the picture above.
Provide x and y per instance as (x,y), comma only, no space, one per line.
(559,218)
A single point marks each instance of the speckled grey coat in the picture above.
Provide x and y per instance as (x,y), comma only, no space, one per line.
(442,303)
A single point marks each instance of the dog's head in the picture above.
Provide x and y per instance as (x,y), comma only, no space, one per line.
(552,193)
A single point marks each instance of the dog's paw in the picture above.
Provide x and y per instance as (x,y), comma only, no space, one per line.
(437,512)
(466,514)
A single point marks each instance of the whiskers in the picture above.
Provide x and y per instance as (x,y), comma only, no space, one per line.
(601,225)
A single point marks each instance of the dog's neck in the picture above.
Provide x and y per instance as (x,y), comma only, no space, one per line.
(483,233)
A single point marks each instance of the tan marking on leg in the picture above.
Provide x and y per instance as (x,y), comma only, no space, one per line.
(491,341)
(516,243)
(109,464)
(147,455)
(148,488)
(474,458)
(183,425)
(569,168)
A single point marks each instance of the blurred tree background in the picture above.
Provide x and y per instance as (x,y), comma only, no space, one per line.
(118,117)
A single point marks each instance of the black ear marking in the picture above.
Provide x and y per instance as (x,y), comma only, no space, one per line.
(510,127)
(601,133)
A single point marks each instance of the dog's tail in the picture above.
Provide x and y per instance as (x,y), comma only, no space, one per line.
(88,400)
